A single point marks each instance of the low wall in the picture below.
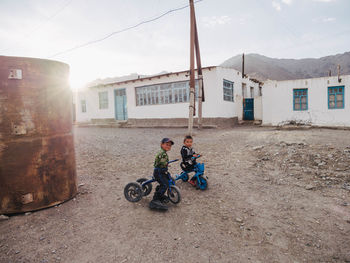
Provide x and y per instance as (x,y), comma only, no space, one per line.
(182,122)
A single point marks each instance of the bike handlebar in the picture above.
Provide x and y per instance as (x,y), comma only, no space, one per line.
(194,158)
(173,161)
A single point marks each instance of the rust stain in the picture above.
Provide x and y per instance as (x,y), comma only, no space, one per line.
(37,159)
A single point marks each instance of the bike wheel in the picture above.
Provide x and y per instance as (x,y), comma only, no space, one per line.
(203,183)
(133,192)
(185,177)
(147,189)
(174,194)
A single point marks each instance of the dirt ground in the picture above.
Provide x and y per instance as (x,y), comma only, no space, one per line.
(274,196)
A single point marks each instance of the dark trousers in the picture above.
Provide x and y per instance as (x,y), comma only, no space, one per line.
(188,167)
(161,176)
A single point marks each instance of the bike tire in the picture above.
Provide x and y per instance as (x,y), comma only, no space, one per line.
(174,194)
(147,189)
(133,192)
(203,183)
(185,178)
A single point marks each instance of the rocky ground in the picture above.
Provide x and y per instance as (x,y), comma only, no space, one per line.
(274,196)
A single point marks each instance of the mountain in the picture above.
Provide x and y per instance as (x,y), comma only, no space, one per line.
(262,68)
(120,79)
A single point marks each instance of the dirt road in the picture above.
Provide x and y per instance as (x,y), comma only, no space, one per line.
(274,196)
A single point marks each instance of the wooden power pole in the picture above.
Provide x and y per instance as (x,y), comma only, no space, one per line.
(199,72)
(192,73)
(194,47)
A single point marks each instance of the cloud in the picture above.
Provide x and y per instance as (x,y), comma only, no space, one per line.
(324,1)
(276,5)
(244,19)
(214,21)
(324,19)
(328,19)
(287,2)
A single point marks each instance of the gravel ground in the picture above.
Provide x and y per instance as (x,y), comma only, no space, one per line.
(274,196)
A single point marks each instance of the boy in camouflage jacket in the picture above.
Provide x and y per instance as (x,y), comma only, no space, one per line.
(161,175)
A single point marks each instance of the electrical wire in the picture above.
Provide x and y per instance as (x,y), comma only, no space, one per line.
(121,31)
(44,22)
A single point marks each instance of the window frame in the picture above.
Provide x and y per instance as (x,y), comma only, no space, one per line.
(335,97)
(300,97)
(106,100)
(164,93)
(231,89)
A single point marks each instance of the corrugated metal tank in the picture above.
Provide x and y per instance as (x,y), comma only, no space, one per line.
(37,159)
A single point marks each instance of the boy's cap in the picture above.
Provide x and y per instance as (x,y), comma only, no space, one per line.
(165,140)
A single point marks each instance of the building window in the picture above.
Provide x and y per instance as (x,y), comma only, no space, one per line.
(244,90)
(252,92)
(300,99)
(103,100)
(336,97)
(228,90)
(83,106)
(166,93)
(260,91)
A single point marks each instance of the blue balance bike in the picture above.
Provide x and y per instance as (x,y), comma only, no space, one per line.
(134,191)
(200,180)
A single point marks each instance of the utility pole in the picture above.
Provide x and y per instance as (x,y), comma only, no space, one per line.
(195,48)
(192,72)
(199,72)
(243,69)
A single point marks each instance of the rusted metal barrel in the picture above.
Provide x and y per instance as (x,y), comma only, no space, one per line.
(37,159)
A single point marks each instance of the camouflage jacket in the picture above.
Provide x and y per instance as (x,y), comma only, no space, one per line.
(161,160)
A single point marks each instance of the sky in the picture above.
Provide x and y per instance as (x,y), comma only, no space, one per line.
(274,28)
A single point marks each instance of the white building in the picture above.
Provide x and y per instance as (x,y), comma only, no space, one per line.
(162,100)
(318,101)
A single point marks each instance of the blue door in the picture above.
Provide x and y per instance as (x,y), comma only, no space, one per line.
(248,109)
(120,104)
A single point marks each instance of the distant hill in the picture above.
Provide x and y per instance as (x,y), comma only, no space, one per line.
(262,68)
(119,79)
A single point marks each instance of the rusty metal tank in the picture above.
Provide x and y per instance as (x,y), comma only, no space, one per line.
(37,159)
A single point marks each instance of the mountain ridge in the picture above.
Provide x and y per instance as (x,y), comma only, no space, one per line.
(262,67)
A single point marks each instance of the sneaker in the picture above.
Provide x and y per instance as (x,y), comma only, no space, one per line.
(164,199)
(157,205)
(192,182)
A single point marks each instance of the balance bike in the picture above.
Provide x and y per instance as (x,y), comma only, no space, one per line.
(201,180)
(134,191)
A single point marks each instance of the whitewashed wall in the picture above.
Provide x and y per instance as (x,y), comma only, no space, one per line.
(90,95)
(278,102)
(220,108)
(214,105)
(258,108)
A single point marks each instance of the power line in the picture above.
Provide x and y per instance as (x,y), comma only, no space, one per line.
(54,15)
(44,22)
(121,31)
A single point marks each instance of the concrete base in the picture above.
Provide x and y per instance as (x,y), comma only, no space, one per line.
(182,123)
